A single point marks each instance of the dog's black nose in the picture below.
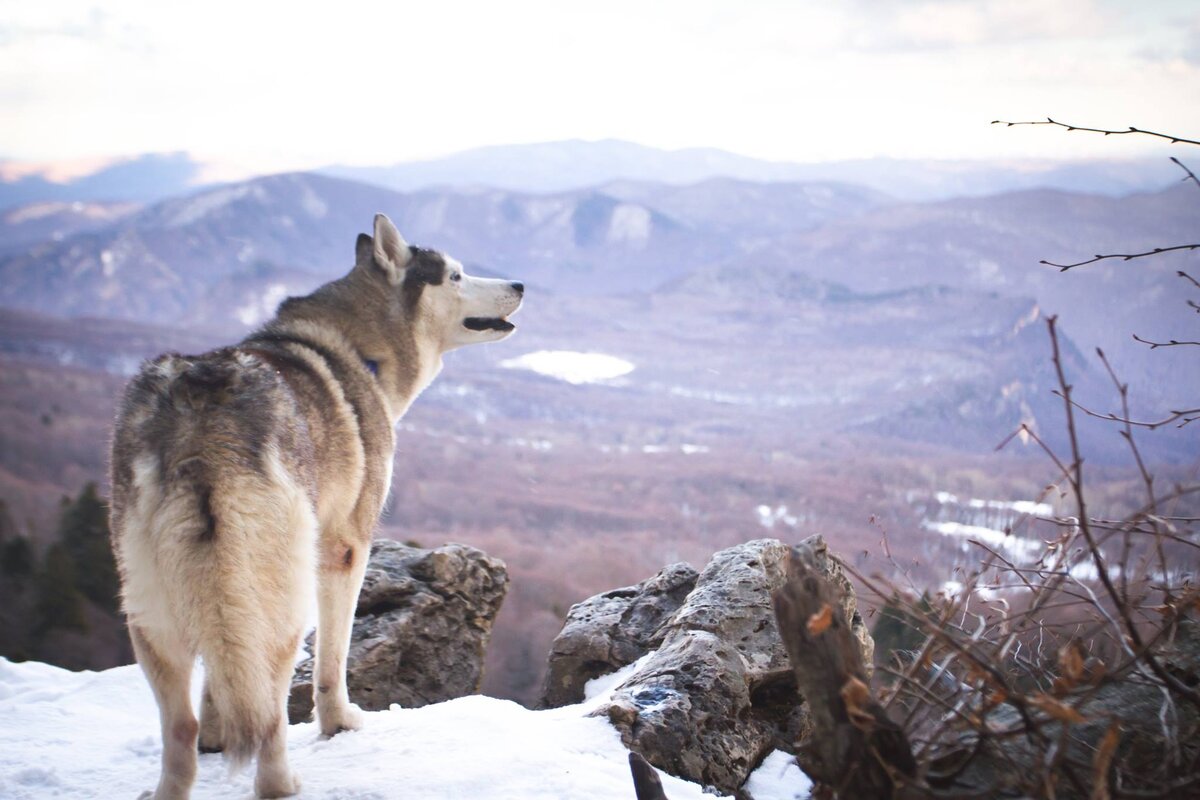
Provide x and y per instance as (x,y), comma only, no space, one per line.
(520,287)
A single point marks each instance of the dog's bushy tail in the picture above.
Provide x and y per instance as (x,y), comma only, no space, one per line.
(216,532)
(262,563)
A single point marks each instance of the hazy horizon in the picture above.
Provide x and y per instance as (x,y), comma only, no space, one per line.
(261,89)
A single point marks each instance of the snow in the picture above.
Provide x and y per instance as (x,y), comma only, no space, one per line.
(1016,546)
(630,225)
(96,735)
(954,589)
(1019,506)
(571,366)
(261,308)
(597,690)
(200,206)
(768,517)
(778,778)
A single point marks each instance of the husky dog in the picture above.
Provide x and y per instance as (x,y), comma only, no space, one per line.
(247,478)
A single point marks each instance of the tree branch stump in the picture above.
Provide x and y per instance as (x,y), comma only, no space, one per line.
(854,748)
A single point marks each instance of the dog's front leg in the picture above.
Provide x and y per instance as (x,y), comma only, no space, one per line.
(343,560)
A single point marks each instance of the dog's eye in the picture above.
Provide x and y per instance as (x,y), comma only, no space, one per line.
(456,276)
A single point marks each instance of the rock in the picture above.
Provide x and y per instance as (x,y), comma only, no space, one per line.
(609,631)
(718,694)
(421,628)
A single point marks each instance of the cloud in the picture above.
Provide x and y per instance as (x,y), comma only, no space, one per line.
(384,82)
(898,25)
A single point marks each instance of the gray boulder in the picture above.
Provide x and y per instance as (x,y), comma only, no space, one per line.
(421,628)
(609,631)
(718,693)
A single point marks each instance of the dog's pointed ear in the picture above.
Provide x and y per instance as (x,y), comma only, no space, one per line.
(390,252)
(364,251)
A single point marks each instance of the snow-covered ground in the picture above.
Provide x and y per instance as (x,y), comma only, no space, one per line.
(95,735)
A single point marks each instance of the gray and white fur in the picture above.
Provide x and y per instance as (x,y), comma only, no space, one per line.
(248,480)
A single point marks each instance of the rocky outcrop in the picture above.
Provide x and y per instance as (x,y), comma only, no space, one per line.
(421,628)
(609,631)
(718,693)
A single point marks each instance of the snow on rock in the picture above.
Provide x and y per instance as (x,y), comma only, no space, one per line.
(571,366)
(96,735)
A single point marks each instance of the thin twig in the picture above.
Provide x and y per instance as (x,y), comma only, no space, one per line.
(1156,345)
(1123,256)
(1048,121)
(1191,176)
(1149,425)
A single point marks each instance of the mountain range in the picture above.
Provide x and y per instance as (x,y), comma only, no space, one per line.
(753,275)
(577,164)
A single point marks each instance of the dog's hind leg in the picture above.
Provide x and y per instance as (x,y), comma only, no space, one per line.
(274,777)
(169,670)
(342,563)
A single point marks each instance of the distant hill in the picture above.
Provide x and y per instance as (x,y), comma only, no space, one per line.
(574,164)
(141,178)
(52,220)
(995,244)
(554,167)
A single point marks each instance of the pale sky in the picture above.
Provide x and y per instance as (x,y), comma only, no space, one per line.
(281,85)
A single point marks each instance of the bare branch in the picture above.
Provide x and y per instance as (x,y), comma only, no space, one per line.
(1190,175)
(1131,631)
(1123,256)
(1184,415)
(1048,121)
(1156,345)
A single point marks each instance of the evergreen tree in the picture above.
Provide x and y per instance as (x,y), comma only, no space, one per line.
(59,601)
(8,528)
(83,533)
(16,559)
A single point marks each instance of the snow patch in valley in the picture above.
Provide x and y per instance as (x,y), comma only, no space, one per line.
(571,366)
(1019,506)
(770,517)
(1016,546)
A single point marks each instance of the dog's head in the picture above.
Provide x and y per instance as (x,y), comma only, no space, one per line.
(436,293)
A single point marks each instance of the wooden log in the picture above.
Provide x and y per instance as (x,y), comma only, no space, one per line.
(854,748)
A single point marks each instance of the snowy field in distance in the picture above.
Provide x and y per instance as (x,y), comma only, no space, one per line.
(95,735)
(571,366)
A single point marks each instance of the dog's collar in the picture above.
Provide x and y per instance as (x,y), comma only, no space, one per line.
(372,366)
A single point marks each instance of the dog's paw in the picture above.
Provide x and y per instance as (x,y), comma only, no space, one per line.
(346,718)
(284,785)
